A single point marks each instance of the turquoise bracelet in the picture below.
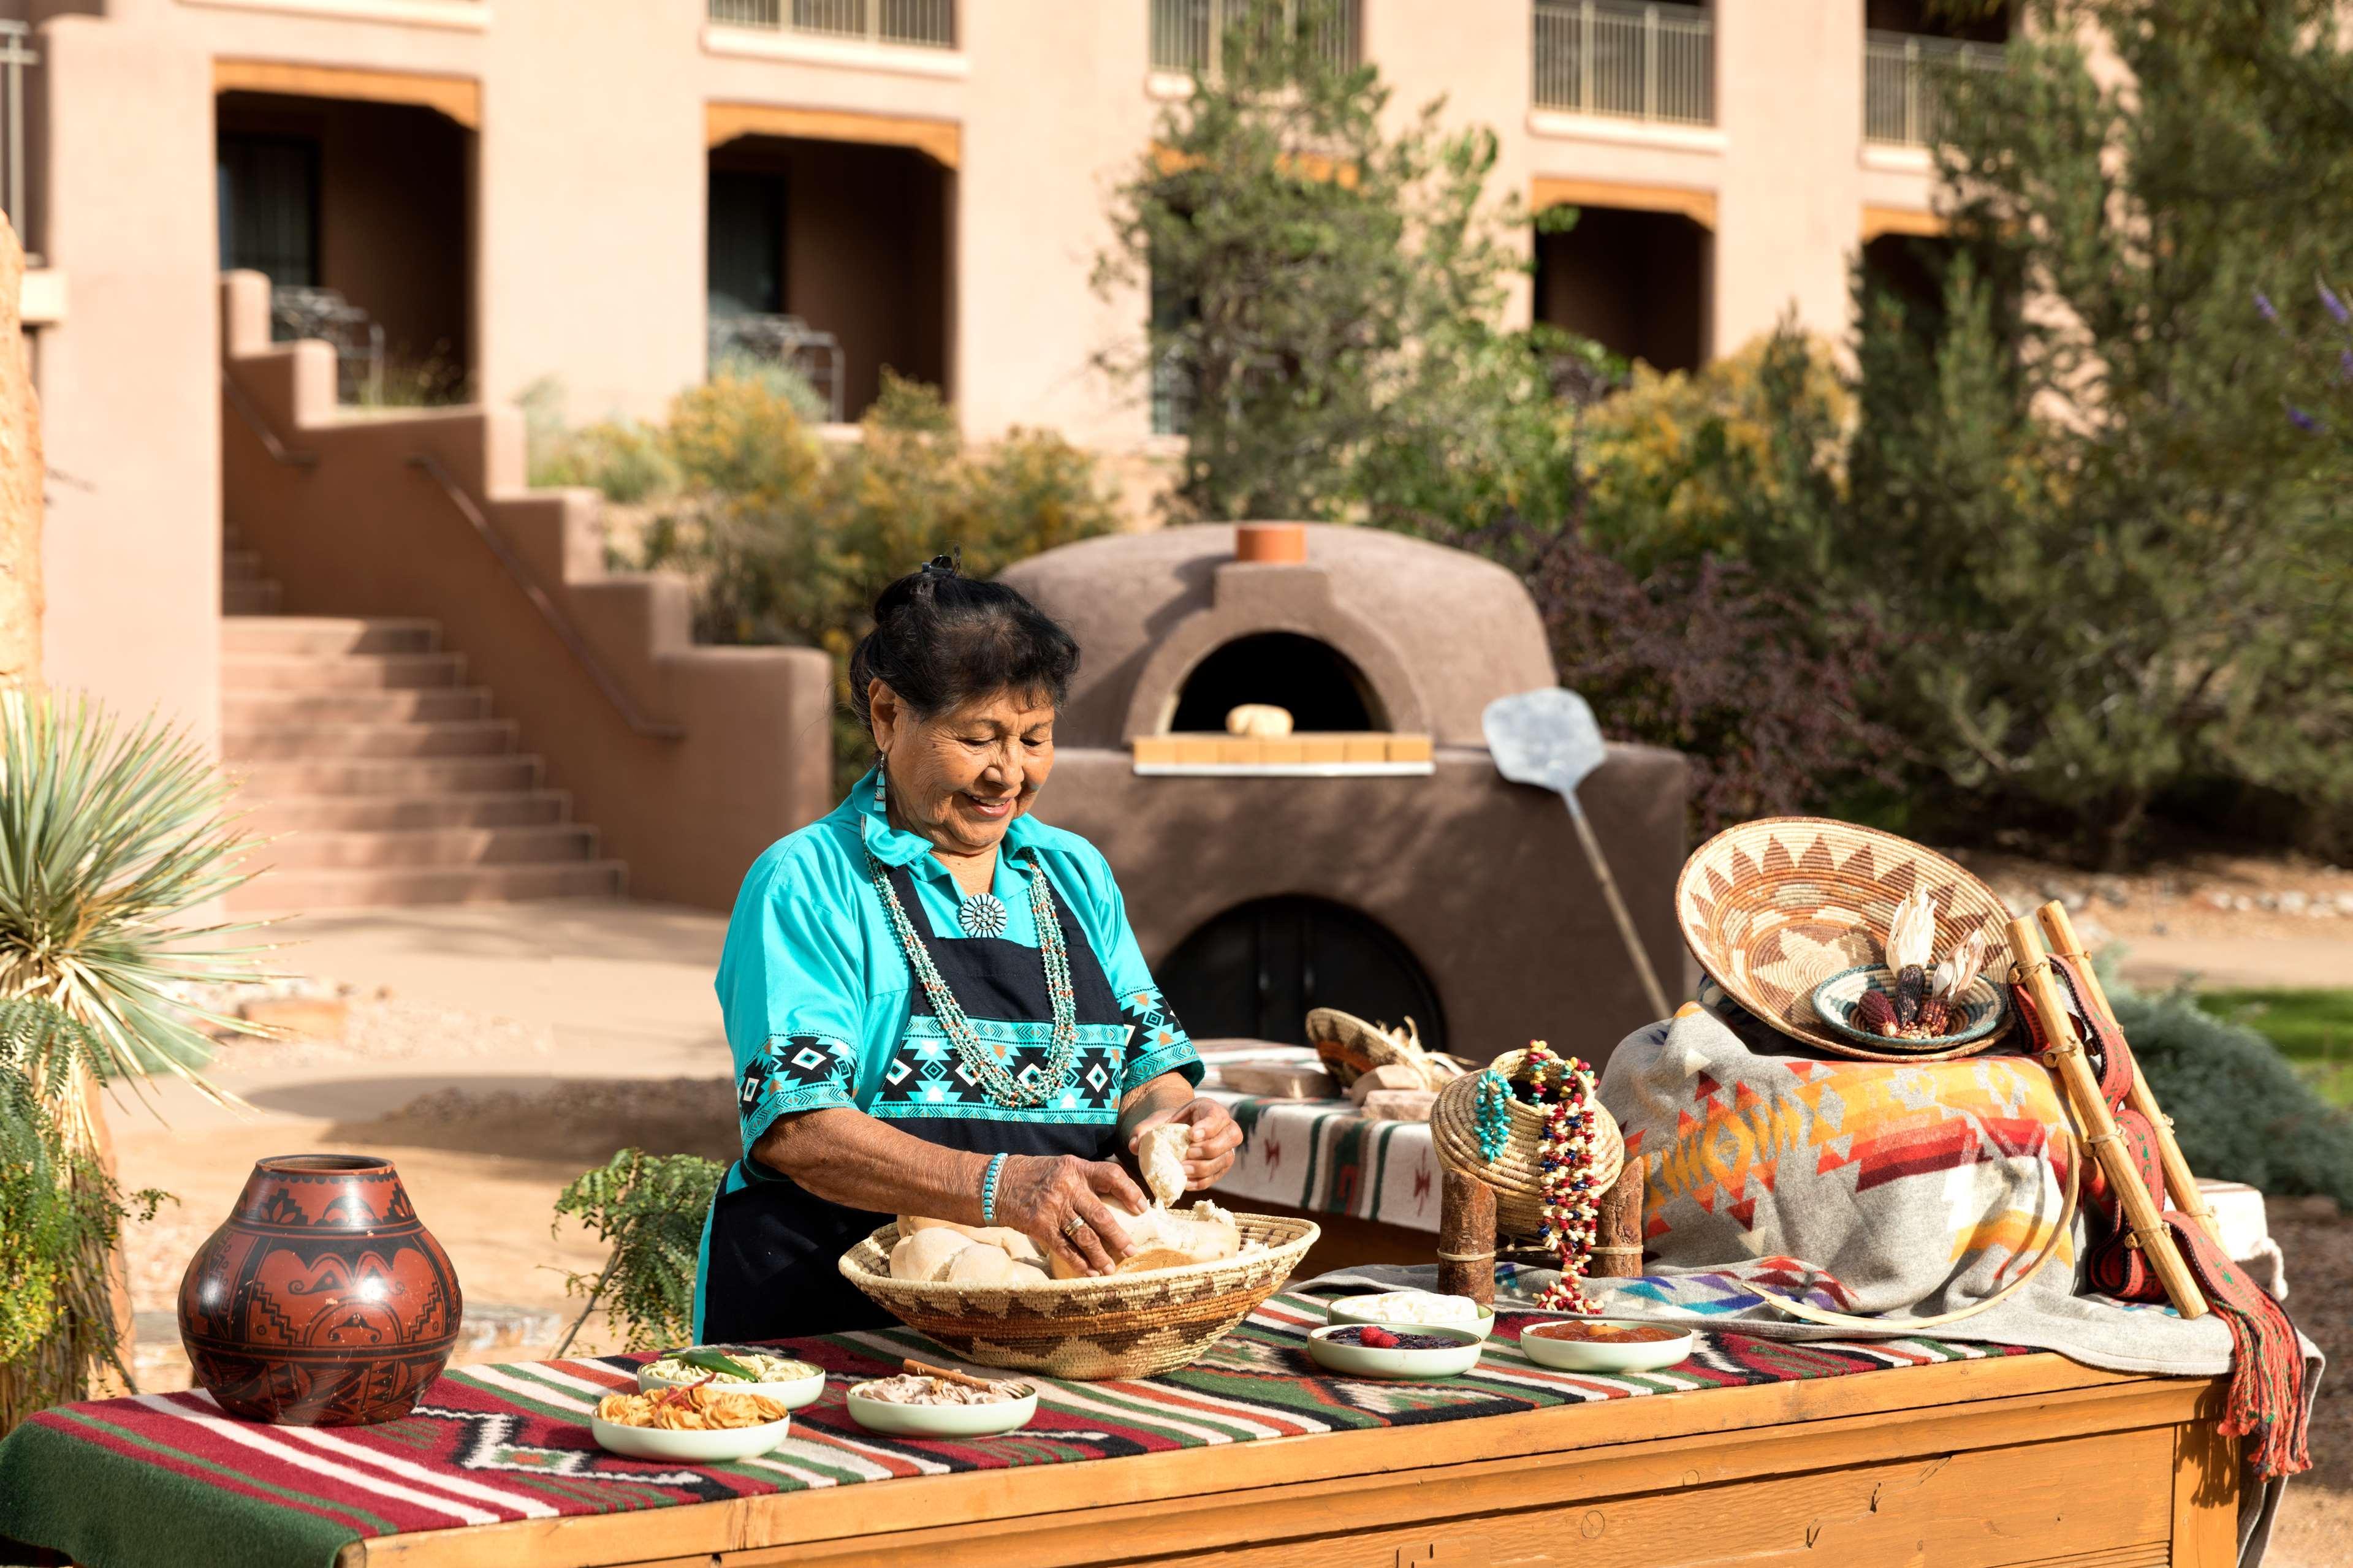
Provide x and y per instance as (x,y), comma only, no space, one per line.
(989,1189)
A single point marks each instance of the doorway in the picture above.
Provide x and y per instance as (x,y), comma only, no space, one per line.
(1254,972)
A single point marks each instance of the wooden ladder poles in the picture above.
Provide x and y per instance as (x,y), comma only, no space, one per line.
(2064,1053)
(2178,1180)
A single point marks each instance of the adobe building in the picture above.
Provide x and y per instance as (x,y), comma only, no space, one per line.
(596,197)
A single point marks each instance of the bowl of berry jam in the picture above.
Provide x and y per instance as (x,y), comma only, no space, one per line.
(1419,1351)
(1596,1344)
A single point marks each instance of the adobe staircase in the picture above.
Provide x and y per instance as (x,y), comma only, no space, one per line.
(382,775)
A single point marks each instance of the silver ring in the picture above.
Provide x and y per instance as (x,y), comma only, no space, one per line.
(1072,1226)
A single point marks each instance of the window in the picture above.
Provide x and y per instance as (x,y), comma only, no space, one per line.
(268,192)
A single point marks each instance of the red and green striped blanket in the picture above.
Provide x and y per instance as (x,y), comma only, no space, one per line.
(166,1479)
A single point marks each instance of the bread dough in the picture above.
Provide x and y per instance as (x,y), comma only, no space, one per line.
(1161,1154)
(927,1254)
(981,1264)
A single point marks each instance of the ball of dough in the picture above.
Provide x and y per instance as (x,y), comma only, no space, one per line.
(927,1254)
(981,1264)
(1017,1247)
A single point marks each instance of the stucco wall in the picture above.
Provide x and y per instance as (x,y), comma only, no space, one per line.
(132,550)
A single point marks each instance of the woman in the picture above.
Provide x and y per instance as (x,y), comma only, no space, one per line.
(933,1000)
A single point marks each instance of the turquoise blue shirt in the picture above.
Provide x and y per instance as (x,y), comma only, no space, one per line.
(815,987)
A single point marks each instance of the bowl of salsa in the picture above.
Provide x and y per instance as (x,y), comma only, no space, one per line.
(1603,1344)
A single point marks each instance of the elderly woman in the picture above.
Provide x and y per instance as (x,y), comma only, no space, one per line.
(933,1000)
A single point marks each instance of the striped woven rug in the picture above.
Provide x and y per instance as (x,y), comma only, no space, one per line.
(166,1479)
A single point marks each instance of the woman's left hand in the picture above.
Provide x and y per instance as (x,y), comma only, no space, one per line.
(1215,1137)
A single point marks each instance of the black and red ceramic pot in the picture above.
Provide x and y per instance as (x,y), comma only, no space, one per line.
(323,1302)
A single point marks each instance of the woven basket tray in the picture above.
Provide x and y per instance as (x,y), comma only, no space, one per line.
(1517,1174)
(1773,908)
(1126,1325)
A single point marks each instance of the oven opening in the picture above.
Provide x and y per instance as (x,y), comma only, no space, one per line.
(1254,972)
(1320,687)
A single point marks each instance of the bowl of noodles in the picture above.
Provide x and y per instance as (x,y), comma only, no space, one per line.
(735,1369)
(699,1426)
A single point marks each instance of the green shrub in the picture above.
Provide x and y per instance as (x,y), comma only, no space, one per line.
(790,541)
(651,1208)
(2238,1105)
(60,1216)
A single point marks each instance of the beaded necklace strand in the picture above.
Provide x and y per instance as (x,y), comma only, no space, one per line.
(1572,1210)
(1033,1085)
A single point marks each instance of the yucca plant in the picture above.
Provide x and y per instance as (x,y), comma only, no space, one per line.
(110,838)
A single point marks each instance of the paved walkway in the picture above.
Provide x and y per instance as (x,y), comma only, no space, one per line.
(607,989)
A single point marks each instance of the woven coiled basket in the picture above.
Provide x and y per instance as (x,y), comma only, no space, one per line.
(1123,1325)
(1517,1172)
(1773,908)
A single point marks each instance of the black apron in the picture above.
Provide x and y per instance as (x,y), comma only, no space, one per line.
(771,1255)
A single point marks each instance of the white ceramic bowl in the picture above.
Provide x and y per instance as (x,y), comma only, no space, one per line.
(690,1447)
(1344,1310)
(1364,1361)
(943,1420)
(1604,1355)
(792,1395)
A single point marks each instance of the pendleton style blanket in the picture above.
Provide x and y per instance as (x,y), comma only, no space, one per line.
(1897,1190)
(166,1482)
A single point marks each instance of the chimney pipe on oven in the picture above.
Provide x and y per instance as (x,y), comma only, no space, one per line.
(1270,543)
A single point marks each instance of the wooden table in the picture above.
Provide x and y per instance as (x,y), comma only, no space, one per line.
(1982,1464)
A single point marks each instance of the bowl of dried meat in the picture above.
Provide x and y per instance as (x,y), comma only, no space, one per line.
(701,1424)
(913,1405)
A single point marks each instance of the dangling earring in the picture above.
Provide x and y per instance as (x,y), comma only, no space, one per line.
(881,779)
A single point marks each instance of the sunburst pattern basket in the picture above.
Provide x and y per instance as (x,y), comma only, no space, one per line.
(1517,1172)
(1773,908)
(1124,1325)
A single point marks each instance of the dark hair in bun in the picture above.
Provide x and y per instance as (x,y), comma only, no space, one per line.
(942,638)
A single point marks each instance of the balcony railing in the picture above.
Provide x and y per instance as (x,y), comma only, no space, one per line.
(1626,60)
(741,339)
(1190,35)
(927,24)
(1901,104)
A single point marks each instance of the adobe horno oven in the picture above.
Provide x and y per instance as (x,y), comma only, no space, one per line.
(1373,860)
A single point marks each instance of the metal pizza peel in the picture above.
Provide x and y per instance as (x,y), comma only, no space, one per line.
(1549,739)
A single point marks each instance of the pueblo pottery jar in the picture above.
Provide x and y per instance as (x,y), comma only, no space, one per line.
(322,1302)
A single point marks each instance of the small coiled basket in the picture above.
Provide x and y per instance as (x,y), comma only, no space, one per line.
(1517,1172)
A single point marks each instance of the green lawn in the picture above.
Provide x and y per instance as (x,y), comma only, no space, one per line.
(2313,1028)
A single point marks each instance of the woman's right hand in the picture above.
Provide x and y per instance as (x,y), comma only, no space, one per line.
(1038,1194)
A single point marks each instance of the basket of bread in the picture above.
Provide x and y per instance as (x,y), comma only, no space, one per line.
(991,1297)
